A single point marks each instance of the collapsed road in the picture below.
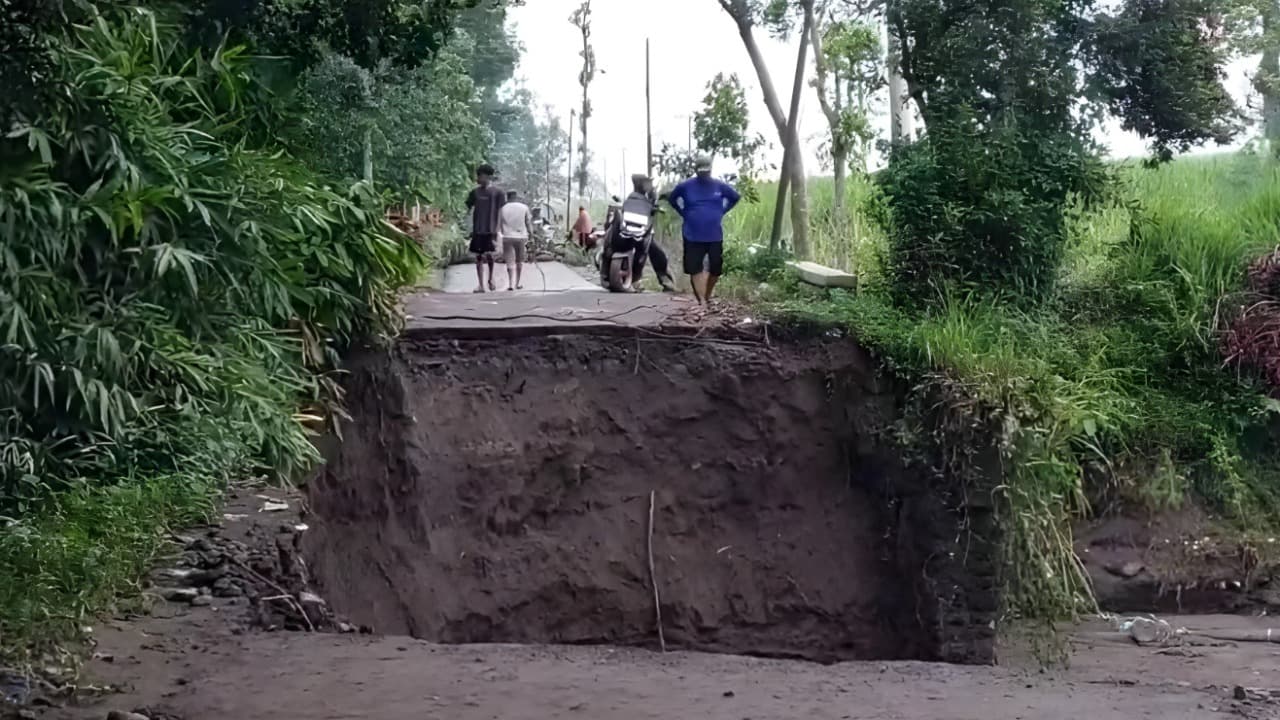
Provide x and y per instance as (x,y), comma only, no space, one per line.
(538,493)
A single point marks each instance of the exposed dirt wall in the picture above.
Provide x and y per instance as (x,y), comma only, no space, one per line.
(499,492)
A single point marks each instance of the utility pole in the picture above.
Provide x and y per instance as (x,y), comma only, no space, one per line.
(623,174)
(568,191)
(648,116)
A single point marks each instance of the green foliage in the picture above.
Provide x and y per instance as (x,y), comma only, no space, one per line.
(757,262)
(1111,391)
(368,31)
(1162,74)
(171,291)
(529,153)
(86,548)
(722,126)
(850,74)
(26,63)
(425,137)
(980,200)
(985,215)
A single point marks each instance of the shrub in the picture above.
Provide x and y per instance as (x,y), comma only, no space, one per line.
(983,209)
(171,292)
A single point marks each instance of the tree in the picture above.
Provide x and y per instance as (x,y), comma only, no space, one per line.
(722,126)
(367,31)
(746,15)
(417,126)
(1253,27)
(530,154)
(848,74)
(581,19)
(1158,67)
(980,199)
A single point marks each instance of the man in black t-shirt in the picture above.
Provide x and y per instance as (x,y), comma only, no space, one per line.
(485,202)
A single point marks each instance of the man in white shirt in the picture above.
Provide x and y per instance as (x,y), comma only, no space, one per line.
(515,226)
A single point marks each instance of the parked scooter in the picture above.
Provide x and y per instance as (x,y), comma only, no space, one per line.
(628,233)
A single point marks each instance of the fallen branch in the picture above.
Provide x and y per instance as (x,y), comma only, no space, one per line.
(297,607)
(284,594)
(653,580)
(1267,635)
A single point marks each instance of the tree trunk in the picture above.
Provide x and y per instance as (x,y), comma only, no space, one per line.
(790,153)
(899,118)
(368,156)
(1268,79)
(795,165)
(833,109)
(840,157)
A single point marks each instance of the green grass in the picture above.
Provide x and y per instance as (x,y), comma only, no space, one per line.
(1112,392)
(84,551)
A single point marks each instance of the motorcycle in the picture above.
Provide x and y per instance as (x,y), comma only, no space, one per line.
(629,231)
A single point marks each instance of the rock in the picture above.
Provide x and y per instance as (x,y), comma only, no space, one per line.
(1126,570)
(207,577)
(310,599)
(226,587)
(1148,631)
(1238,692)
(202,601)
(26,714)
(122,715)
(179,594)
(1267,596)
(179,574)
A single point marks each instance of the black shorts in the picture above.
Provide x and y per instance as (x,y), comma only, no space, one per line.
(482,243)
(700,257)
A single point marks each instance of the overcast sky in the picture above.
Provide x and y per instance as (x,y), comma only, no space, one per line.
(691,41)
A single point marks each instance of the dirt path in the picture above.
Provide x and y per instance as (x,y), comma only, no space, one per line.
(199,670)
(204,663)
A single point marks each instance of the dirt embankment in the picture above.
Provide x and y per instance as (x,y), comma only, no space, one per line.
(499,492)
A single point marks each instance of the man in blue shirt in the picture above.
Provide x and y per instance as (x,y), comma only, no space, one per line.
(702,201)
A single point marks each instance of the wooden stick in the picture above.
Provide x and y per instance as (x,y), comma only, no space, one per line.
(653,580)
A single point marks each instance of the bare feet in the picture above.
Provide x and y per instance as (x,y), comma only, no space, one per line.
(491,285)
(479,289)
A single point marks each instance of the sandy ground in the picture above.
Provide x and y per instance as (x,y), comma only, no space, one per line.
(193,667)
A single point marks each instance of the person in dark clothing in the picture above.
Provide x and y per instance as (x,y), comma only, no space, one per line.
(485,202)
(643,185)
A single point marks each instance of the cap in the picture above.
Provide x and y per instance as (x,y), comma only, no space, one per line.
(702,163)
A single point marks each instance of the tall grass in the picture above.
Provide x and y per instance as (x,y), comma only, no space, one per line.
(1113,389)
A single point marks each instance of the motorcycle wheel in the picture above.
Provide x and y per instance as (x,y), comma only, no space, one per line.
(619,275)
